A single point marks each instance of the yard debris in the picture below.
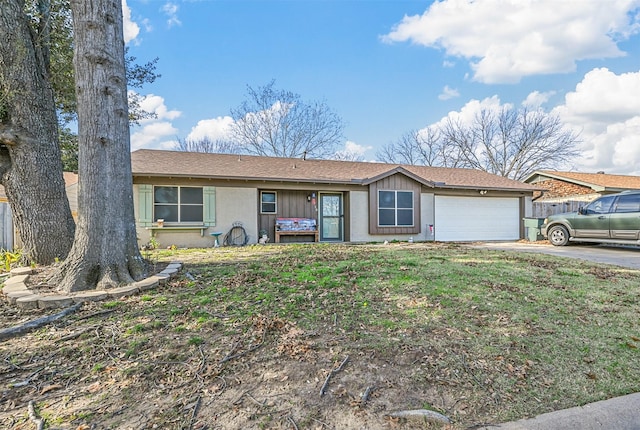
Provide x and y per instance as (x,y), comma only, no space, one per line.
(333,372)
(421,413)
(10,332)
(34,417)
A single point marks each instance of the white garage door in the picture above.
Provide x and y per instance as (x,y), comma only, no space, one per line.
(476,218)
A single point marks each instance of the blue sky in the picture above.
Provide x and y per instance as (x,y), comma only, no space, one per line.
(391,66)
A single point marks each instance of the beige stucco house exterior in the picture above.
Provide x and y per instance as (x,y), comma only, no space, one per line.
(196,194)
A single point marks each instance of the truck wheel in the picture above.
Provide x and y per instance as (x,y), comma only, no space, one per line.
(558,235)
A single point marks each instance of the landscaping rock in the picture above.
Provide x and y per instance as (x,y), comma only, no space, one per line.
(147,284)
(127,290)
(28,302)
(161,278)
(54,301)
(171,272)
(20,286)
(19,279)
(14,295)
(21,271)
(90,296)
(177,266)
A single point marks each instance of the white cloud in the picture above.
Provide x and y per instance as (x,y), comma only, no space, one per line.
(448,93)
(605,109)
(352,151)
(214,129)
(131,29)
(154,135)
(505,40)
(159,132)
(354,148)
(468,112)
(171,11)
(155,104)
(536,99)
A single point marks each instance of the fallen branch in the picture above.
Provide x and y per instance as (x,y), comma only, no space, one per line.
(11,332)
(421,413)
(366,395)
(333,372)
(33,417)
(230,357)
(75,334)
(293,422)
(195,412)
(97,314)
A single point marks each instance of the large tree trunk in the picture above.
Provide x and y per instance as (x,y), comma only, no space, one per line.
(105,251)
(30,163)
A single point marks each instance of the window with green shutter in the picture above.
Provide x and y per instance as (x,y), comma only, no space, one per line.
(176,205)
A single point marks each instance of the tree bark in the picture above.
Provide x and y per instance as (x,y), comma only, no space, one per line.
(30,162)
(105,250)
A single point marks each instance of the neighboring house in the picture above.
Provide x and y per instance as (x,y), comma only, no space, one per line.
(9,236)
(564,186)
(197,194)
(567,191)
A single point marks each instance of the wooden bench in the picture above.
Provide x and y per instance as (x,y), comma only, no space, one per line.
(297,227)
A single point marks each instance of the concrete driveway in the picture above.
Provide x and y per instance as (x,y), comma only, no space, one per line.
(617,255)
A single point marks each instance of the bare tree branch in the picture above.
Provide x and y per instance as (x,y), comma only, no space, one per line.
(279,123)
(511,143)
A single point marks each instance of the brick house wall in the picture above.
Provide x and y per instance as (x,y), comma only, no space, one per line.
(558,189)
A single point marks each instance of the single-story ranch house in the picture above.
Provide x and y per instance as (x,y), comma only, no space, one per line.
(196,194)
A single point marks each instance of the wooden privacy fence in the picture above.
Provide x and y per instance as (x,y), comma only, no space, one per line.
(544,209)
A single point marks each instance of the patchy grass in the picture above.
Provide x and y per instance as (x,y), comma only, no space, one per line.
(248,338)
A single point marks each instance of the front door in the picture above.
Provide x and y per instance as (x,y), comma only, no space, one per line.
(331,217)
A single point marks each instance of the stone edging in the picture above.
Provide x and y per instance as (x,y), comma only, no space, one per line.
(17,293)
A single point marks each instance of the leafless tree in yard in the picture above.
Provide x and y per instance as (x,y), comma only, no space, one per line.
(509,142)
(512,143)
(420,147)
(208,145)
(279,123)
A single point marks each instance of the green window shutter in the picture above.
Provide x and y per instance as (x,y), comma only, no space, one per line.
(145,205)
(209,200)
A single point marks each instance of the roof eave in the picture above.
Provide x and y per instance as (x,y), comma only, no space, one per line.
(248,178)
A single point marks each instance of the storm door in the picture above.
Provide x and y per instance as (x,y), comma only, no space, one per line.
(331,217)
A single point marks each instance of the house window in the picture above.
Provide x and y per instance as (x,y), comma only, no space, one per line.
(268,202)
(395,208)
(178,204)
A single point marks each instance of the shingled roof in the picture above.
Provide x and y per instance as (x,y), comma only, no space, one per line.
(157,163)
(597,181)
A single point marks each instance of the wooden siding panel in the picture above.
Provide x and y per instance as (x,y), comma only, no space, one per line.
(397,182)
(290,204)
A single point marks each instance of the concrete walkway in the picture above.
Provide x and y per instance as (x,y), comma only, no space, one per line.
(618,255)
(619,413)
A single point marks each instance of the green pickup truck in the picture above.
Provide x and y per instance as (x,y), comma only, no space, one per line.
(613,218)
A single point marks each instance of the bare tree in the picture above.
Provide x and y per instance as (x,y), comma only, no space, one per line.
(207,145)
(105,251)
(418,147)
(510,142)
(30,163)
(279,123)
(347,156)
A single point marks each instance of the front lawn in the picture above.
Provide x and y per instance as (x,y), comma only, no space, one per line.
(246,338)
